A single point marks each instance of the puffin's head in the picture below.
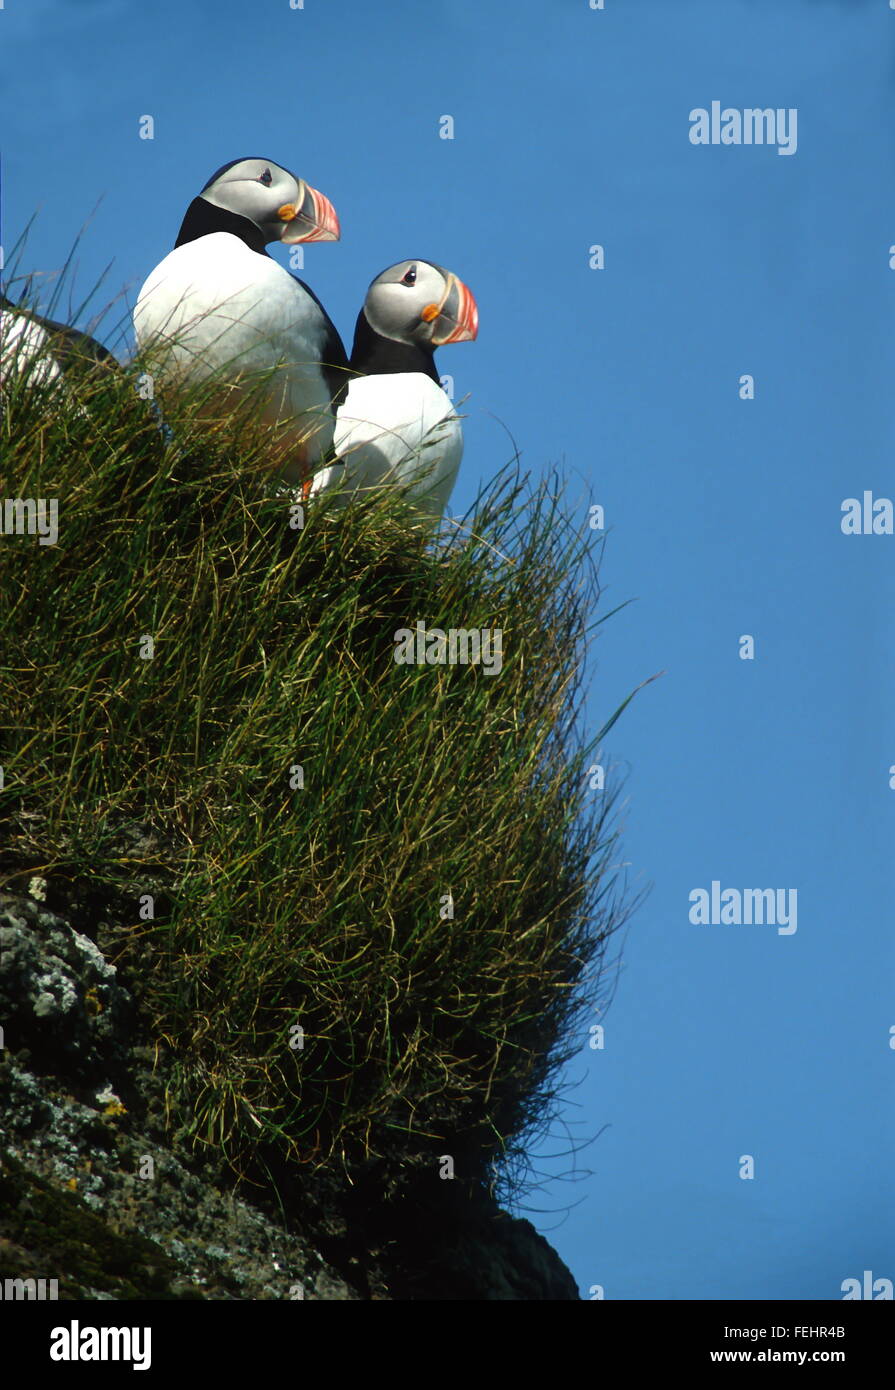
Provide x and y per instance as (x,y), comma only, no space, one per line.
(419,302)
(281,205)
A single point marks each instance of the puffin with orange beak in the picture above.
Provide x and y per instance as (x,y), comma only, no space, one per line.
(396,425)
(218,304)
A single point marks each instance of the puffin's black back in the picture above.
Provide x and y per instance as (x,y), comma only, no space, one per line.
(70,346)
(333,357)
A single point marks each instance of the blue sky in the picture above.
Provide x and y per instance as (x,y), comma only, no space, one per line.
(572,129)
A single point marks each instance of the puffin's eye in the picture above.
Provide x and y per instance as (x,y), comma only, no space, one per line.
(266,178)
(410,277)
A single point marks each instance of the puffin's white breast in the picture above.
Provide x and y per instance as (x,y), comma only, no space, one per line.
(219,305)
(398,428)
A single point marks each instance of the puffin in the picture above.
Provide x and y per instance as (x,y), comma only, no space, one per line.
(218,303)
(43,350)
(395,423)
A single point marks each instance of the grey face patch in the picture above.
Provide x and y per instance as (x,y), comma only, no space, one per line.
(254,188)
(231,164)
(396,300)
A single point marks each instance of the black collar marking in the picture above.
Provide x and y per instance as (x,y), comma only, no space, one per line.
(202,218)
(374,355)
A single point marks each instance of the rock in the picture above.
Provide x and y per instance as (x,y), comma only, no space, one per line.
(94,1193)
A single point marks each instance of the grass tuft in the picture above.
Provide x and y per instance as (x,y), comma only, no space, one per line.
(174,660)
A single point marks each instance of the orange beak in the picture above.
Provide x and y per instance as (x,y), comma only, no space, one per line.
(458,319)
(315,220)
